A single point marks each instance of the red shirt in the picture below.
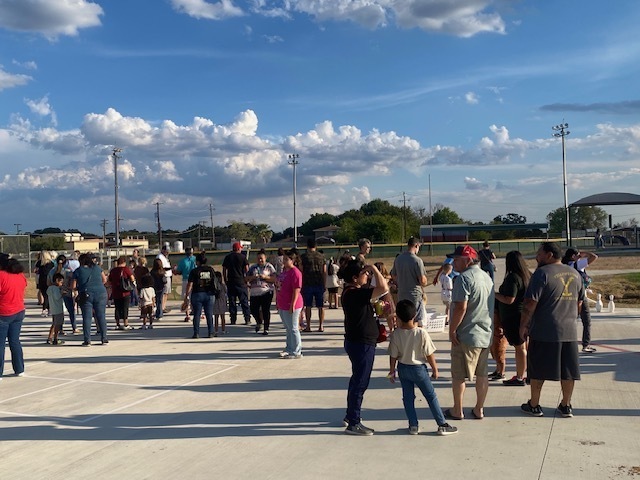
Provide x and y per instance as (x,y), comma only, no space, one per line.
(114,280)
(12,286)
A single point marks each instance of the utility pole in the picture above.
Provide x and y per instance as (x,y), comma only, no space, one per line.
(561,131)
(404,217)
(103,224)
(201,224)
(17,228)
(430,219)
(115,155)
(293,160)
(159,227)
(213,232)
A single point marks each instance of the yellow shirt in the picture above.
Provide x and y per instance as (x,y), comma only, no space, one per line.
(411,347)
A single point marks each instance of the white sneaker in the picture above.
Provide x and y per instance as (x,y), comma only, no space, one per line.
(283,354)
(413,430)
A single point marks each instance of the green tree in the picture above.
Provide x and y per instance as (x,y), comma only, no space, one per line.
(380,207)
(445,216)
(348,233)
(47,230)
(380,229)
(317,220)
(510,219)
(581,218)
(47,243)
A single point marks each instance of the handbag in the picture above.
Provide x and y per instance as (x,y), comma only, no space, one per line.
(81,299)
(382,333)
(126,285)
(83,296)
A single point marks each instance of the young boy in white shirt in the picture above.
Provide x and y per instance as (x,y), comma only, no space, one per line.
(410,348)
(446,287)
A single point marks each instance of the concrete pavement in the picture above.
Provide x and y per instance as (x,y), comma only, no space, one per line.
(157,404)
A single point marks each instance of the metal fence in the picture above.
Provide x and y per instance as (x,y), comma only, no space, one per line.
(18,246)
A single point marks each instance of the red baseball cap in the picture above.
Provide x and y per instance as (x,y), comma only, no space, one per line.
(464,251)
(237,247)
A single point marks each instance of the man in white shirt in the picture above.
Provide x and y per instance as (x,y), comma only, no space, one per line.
(164,258)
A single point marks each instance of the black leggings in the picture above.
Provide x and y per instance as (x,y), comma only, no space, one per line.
(121,308)
(261,303)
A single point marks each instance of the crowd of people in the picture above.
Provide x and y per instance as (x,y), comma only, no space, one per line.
(535,313)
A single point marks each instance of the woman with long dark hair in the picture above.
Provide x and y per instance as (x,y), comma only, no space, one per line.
(12,286)
(159,281)
(509,302)
(361,334)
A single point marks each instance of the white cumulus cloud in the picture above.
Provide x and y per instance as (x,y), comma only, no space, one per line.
(471,98)
(10,80)
(50,18)
(461,18)
(43,108)
(208,10)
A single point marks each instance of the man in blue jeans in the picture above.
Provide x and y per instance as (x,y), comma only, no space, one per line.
(314,276)
(234,270)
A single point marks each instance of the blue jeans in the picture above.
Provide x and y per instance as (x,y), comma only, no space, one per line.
(585,316)
(361,356)
(490,269)
(239,293)
(410,377)
(71,308)
(96,304)
(294,340)
(202,301)
(10,326)
(135,300)
(159,294)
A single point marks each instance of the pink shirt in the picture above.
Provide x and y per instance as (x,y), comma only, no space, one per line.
(12,286)
(289,281)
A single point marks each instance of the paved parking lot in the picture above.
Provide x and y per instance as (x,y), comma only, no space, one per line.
(158,404)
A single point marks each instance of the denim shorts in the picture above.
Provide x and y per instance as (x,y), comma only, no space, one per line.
(311,292)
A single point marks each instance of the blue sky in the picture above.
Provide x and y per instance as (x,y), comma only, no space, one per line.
(207,99)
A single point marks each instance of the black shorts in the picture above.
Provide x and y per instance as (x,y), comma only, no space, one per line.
(332,290)
(511,328)
(553,360)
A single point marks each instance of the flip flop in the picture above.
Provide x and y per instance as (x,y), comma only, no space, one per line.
(449,416)
(474,416)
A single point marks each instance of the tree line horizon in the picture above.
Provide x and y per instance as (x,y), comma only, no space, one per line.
(377,220)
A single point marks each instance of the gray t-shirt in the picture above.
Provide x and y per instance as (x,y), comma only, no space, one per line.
(409,268)
(557,289)
(476,288)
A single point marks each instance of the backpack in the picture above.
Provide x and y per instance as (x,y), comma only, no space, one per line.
(208,281)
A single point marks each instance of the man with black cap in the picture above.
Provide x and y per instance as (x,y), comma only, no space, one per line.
(470,330)
(234,270)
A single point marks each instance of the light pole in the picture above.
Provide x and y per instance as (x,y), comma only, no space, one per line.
(293,160)
(561,131)
(116,150)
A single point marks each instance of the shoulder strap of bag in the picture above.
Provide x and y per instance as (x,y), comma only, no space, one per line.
(88,278)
